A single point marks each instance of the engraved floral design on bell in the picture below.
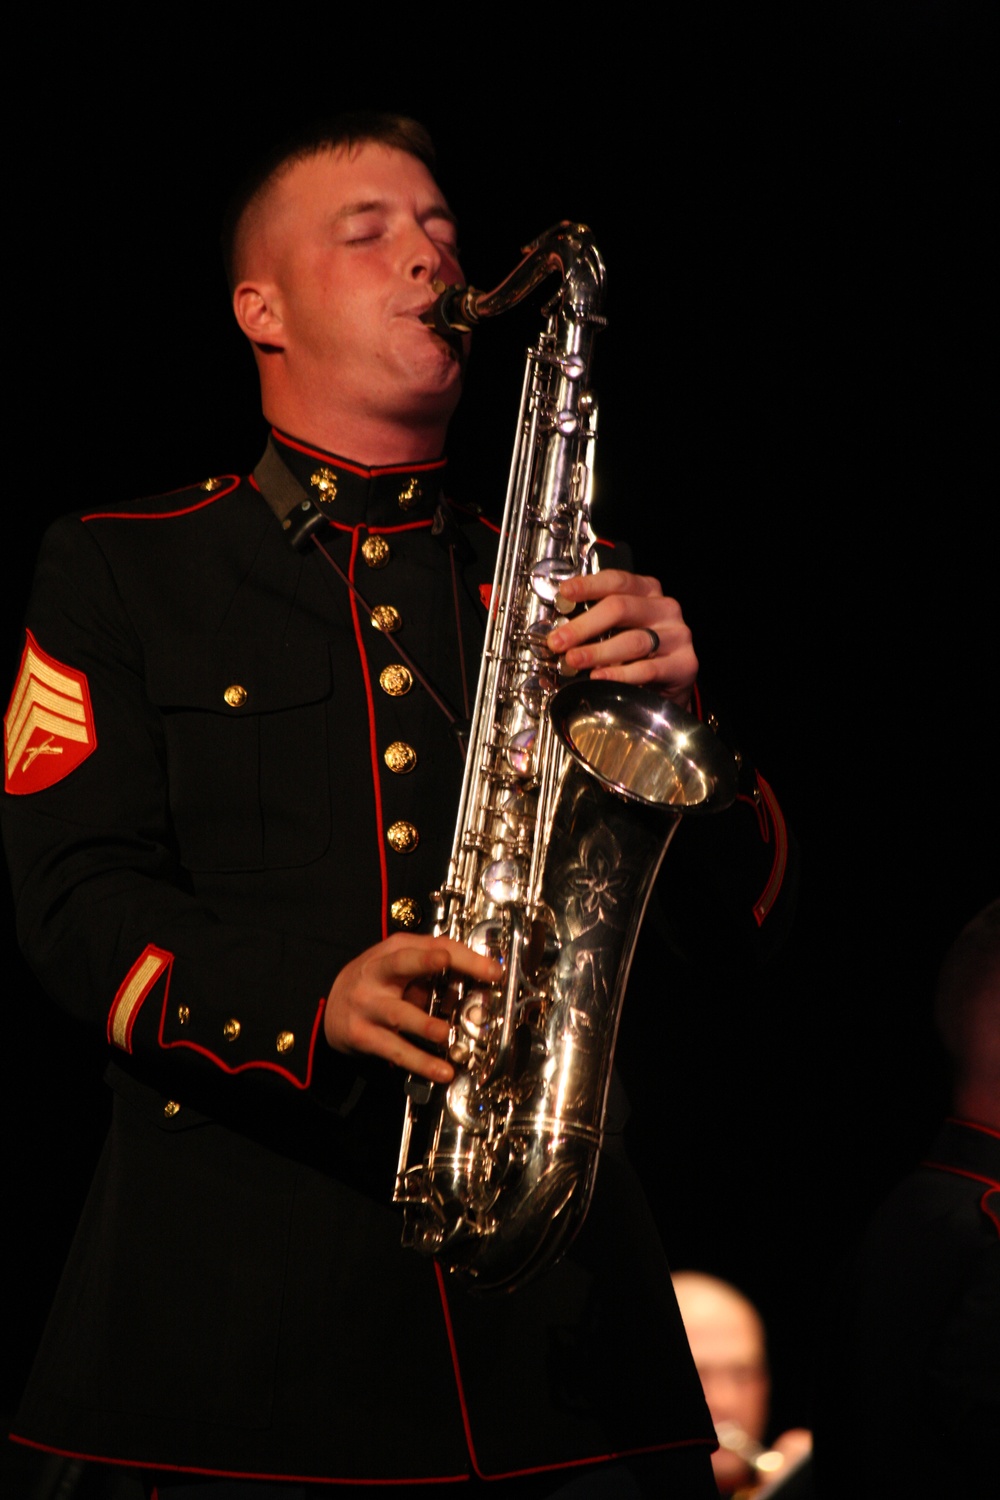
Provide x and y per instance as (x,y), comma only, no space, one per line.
(598,884)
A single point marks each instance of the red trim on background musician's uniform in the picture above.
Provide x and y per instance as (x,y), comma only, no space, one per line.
(134,1467)
(49,725)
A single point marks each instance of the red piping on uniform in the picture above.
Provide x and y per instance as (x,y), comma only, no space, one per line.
(270,1067)
(382,530)
(423,467)
(142,1463)
(163,515)
(943,1166)
(769,894)
(973,1125)
(372,738)
(573,1463)
(988,1211)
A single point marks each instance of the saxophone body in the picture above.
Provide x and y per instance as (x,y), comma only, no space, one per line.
(571,795)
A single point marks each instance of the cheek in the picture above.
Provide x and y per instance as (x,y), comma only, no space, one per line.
(451,272)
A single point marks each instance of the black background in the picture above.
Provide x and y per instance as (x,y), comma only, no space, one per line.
(794,431)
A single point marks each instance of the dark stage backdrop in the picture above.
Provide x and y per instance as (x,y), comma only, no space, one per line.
(793,413)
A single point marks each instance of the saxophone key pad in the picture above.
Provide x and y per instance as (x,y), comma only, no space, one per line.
(503,881)
(487,938)
(521,751)
(537,639)
(549,575)
(465,1105)
(534,693)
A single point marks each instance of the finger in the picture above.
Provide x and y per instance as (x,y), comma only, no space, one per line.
(401,1053)
(615,614)
(589,586)
(633,645)
(650,636)
(420,958)
(651,673)
(382,1028)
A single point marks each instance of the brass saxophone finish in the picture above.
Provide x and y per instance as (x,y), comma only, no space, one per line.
(571,795)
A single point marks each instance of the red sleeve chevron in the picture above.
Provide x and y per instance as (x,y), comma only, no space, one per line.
(49,726)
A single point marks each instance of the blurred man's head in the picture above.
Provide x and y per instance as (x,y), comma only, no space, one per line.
(967,1011)
(727,1341)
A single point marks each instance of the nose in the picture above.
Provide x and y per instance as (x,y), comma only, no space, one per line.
(424,256)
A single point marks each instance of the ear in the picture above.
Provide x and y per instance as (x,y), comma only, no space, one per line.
(256,306)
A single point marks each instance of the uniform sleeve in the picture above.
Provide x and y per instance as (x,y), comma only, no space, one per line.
(107,916)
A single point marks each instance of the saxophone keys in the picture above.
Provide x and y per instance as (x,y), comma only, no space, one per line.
(488,938)
(521,752)
(535,692)
(460,1052)
(542,948)
(504,881)
(549,575)
(519,811)
(536,639)
(466,1105)
(474,1018)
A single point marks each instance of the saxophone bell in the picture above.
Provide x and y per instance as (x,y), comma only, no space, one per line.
(644,748)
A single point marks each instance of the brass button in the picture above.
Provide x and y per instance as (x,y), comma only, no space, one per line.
(286,1041)
(396,680)
(410,495)
(209,485)
(375,551)
(324,482)
(406,912)
(386,617)
(235,695)
(184,1014)
(171,1108)
(403,837)
(400,757)
(231,1030)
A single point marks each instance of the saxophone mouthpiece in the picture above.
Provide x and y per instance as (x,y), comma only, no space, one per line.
(453,314)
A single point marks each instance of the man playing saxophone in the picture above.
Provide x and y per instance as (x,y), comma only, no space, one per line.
(227,799)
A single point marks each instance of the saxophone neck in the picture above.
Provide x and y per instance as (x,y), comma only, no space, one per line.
(567,250)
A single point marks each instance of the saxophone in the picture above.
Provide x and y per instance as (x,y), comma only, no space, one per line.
(572,792)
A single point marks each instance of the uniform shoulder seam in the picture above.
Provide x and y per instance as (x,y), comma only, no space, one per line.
(169,506)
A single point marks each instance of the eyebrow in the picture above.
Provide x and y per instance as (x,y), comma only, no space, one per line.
(379,205)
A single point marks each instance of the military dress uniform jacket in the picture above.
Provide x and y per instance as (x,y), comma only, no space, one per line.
(910,1389)
(223,783)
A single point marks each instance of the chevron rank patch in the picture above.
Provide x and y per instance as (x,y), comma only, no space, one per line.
(49,726)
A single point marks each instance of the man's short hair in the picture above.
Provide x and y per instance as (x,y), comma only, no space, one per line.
(344,131)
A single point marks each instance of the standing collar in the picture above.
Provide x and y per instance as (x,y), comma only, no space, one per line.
(968,1148)
(354,494)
